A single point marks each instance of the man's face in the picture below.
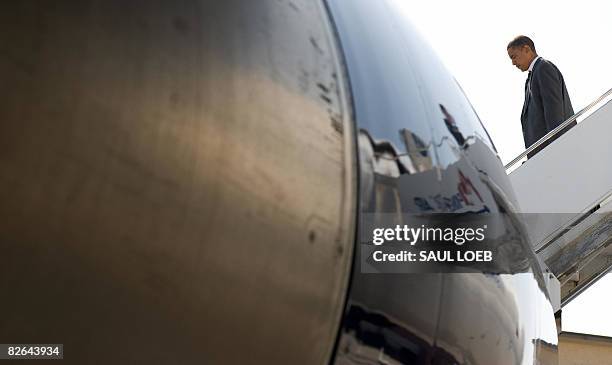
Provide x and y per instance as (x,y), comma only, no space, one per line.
(521,57)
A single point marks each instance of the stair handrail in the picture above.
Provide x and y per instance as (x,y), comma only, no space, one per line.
(554,132)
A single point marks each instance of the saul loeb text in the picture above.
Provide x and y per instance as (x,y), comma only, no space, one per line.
(434,256)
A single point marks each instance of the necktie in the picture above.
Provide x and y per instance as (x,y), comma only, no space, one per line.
(527,94)
(527,81)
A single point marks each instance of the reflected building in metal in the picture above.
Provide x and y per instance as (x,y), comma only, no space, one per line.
(182,182)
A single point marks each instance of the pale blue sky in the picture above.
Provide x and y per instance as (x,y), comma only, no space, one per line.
(471,37)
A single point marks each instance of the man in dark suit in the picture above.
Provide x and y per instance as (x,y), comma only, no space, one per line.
(547,103)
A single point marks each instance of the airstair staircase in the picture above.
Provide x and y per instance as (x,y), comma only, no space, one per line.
(565,197)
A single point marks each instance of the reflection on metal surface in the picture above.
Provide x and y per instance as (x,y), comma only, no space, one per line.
(480,312)
(449,120)
(176,181)
(423,150)
(387,160)
(394,314)
(504,314)
(417,151)
(373,338)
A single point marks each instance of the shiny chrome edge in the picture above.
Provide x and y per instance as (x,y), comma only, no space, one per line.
(350,177)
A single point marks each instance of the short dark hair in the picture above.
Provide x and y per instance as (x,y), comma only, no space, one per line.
(520,41)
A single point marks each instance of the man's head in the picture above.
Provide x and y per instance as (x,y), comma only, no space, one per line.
(521,51)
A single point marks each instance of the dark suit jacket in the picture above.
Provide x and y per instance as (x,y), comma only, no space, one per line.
(547,103)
